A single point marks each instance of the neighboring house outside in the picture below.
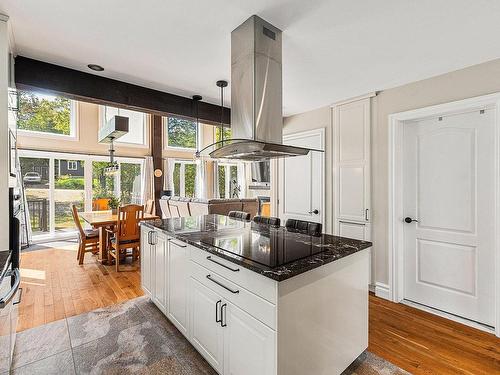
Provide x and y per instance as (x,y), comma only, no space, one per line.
(73,168)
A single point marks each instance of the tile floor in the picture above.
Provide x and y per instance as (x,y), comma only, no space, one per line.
(131,337)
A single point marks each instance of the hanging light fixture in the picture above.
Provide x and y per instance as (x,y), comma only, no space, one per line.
(221,84)
(113,167)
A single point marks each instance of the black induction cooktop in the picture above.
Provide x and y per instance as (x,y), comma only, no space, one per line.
(262,244)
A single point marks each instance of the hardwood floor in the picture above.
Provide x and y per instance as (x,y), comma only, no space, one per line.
(56,287)
(423,343)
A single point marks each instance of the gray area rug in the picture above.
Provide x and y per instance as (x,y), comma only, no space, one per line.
(132,337)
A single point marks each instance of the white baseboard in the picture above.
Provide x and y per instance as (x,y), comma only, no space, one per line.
(371,288)
(382,291)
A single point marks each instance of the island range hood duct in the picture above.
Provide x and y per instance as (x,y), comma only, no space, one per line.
(256,95)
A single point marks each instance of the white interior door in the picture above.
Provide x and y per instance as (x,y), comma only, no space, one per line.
(302,179)
(449,181)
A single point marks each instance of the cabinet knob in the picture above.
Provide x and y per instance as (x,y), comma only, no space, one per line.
(315,211)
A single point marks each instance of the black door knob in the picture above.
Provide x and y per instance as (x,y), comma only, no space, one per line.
(410,220)
(314,212)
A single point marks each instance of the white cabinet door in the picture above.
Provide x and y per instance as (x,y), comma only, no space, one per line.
(160,264)
(177,282)
(206,331)
(358,231)
(249,345)
(352,161)
(147,271)
(302,179)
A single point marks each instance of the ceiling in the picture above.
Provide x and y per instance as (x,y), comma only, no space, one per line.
(332,49)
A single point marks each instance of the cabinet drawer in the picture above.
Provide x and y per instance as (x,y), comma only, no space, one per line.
(255,283)
(254,305)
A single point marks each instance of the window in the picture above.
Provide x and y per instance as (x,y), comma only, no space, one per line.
(228,180)
(184,178)
(136,124)
(46,114)
(181,133)
(72,165)
(226,131)
(51,187)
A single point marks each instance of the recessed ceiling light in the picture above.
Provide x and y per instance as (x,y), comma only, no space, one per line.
(96,67)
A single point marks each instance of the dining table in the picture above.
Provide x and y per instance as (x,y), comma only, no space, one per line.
(101,220)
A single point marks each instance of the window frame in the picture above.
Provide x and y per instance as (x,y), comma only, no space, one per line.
(74,165)
(73,126)
(182,176)
(145,129)
(227,177)
(87,159)
(199,136)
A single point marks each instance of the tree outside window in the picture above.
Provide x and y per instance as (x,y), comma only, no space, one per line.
(44,113)
(181,133)
(226,131)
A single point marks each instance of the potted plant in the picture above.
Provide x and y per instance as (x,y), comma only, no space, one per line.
(114,203)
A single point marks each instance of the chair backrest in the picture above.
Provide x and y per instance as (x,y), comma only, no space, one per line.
(149,206)
(101,204)
(306,227)
(165,209)
(76,218)
(239,215)
(129,217)
(274,221)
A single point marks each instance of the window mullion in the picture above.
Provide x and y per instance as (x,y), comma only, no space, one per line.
(52,203)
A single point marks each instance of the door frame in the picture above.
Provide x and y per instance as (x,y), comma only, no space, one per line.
(277,174)
(395,193)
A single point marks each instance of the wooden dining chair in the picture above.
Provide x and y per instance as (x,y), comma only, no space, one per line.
(88,239)
(126,234)
(149,206)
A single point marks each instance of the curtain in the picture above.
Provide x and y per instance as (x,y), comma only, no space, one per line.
(216,179)
(200,179)
(147,179)
(26,234)
(242,180)
(168,177)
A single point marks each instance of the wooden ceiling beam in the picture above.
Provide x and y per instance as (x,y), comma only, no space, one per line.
(37,75)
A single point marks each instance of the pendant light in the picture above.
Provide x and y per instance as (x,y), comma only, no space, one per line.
(221,84)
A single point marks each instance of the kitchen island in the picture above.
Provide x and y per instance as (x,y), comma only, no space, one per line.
(254,299)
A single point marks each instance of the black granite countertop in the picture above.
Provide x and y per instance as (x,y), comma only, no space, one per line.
(273,252)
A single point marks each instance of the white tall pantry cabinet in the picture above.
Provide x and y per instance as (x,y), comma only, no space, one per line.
(352,168)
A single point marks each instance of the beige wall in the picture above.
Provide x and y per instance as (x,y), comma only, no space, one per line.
(477,80)
(319,118)
(86,142)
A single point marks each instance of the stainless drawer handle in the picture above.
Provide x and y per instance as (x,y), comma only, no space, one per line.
(209,277)
(222,265)
(176,244)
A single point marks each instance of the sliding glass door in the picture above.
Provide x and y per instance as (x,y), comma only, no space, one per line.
(53,182)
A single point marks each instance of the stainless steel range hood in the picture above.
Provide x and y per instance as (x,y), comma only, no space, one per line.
(256,95)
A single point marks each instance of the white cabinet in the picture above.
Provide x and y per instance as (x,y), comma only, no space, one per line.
(177,282)
(160,264)
(205,322)
(249,345)
(147,253)
(352,168)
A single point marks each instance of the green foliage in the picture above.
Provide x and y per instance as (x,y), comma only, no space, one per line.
(69,183)
(43,113)
(129,172)
(227,134)
(181,133)
(114,202)
(189,178)
(222,181)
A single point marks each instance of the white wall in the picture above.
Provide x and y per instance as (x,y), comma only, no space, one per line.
(477,80)
(319,118)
